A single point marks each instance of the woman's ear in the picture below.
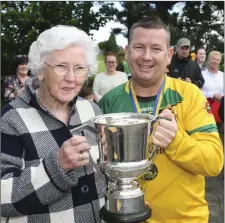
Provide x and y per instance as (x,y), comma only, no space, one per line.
(40,76)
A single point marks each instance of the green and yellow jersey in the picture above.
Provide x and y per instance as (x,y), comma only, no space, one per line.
(177,193)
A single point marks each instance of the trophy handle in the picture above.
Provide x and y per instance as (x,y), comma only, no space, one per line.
(85,127)
(153,152)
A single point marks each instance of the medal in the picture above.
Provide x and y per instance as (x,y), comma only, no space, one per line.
(151,173)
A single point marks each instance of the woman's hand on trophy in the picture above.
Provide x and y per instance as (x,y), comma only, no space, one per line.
(74,153)
(166,130)
(103,141)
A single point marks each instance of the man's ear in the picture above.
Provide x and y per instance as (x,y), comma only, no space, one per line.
(126,51)
(170,54)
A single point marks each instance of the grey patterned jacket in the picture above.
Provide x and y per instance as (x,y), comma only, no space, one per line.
(34,188)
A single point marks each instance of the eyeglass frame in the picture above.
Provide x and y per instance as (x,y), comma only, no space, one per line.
(52,67)
(111,62)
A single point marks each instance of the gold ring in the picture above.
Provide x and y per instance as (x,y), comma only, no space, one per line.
(81,156)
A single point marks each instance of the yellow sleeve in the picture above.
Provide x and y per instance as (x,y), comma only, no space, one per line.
(197,147)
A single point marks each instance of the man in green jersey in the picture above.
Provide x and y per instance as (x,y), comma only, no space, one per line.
(189,146)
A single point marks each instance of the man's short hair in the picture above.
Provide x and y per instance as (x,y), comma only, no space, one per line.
(200,48)
(150,23)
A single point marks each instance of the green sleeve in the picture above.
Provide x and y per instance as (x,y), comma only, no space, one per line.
(104,104)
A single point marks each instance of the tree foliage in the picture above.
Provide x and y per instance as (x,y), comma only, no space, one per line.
(110,45)
(201,22)
(134,11)
(23,21)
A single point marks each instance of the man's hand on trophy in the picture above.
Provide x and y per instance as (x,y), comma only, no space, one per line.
(74,153)
(166,130)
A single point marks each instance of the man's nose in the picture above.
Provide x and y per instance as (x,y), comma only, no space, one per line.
(147,55)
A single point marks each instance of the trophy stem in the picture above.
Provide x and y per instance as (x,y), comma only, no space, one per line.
(139,217)
(127,184)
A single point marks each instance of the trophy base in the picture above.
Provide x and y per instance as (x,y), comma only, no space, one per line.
(110,217)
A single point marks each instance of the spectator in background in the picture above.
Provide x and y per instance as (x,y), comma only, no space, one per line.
(201,57)
(13,85)
(193,56)
(106,81)
(213,88)
(221,109)
(123,66)
(183,67)
(87,93)
(221,115)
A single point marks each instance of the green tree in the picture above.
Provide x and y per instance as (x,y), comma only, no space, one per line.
(135,11)
(110,45)
(23,21)
(203,24)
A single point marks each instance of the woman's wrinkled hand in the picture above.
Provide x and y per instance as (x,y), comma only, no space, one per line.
(74,153)
(103,141)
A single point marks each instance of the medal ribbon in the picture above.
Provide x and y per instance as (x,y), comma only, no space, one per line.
(134,100)
(136,108)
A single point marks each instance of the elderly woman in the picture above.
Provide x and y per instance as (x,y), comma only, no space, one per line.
(106,81)
(213,88)
(14,85)
(48,173)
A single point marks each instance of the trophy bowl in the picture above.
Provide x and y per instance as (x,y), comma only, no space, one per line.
(123,141)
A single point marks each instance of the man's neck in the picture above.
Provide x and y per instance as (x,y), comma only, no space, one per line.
(146,89)
(182,58)
(200,63)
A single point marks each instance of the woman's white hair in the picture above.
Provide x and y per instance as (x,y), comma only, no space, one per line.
(58,38)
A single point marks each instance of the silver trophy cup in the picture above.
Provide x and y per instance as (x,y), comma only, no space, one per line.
(123,140)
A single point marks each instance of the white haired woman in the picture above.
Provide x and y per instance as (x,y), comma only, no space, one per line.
(213,88)
(48,173)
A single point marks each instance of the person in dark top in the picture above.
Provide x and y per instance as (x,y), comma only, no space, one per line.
(201,58)
(183,67)
(221,109)
(123,65)
(13,85)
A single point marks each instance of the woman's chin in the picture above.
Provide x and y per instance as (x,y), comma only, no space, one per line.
(66,99)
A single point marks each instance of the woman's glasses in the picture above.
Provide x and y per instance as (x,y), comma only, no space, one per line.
(111,62)
(63,69)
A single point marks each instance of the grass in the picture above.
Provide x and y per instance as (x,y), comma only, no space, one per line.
(101,64)
(101,67)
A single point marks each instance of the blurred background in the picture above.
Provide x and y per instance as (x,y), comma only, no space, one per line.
(108,23)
